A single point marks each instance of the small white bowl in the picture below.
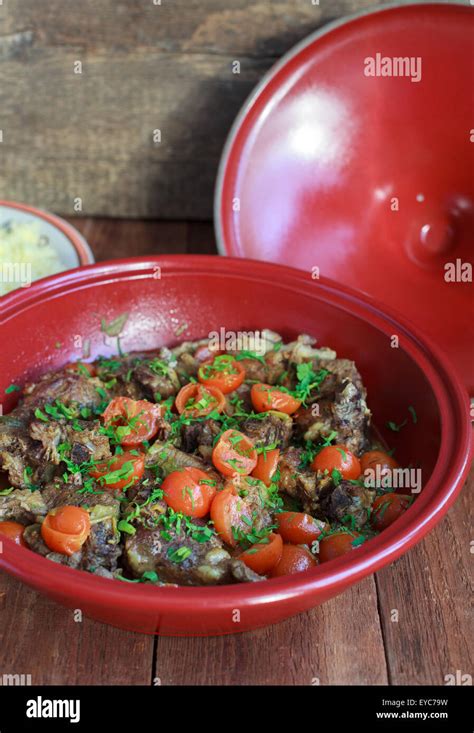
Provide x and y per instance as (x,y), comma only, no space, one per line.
(71,247)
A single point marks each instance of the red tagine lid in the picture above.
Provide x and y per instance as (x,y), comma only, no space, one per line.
(354,159)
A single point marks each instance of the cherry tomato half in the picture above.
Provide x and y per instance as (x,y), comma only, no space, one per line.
(336,544)
(234,453)
(387,508)
(189,491)
(381,464)
(134,420)
(197,400)
(267,464)
(223,372)
(299,528)
(232,513)
(120,471)
(264,555)
(14,531)
(293,559)
(66,529)
(83,368)
(265,397)
(337,457)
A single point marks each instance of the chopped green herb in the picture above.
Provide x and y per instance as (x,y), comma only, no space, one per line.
(179,555)
(396,428)
(115,326)
(309,381)
(151,576)
(414,416)
(126,527)
(336,476)
(250,355)
(40,415)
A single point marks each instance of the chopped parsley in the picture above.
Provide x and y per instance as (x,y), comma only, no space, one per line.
(158,367)
(179,555)
(250,355)
(149,576)
(115,326)
(40,415)
(394,427)
(309,381)
(336,476)
(6,492)
(413,414)
(253,536)
(27,474)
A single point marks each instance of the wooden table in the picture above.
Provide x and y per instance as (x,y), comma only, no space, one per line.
(408,624)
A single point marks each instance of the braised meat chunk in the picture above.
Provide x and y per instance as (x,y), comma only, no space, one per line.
(347,503)
(176,557)
(300,482)
(269,429)
(67,387)
(84,438)
(340,408)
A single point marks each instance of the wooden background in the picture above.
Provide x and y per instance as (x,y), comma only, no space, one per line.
(356,638)
(145,67)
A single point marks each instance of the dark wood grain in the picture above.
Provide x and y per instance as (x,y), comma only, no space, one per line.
(251,27)
(431,589)
(115,238)
(42,639)
(145,66)
(339,642)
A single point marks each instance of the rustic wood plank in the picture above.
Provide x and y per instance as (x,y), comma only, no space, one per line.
(431,589)
(201,239)
(42,639)
(145,67)
(339,642)
(116,238)
(97,154)
(253,27)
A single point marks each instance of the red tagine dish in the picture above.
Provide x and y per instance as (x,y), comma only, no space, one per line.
(226,482)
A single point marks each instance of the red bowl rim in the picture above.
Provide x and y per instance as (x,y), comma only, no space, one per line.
(231,247)
(76,239)
(437,496)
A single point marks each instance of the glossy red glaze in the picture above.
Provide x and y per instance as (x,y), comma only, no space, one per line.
(163,293)
(368,178)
